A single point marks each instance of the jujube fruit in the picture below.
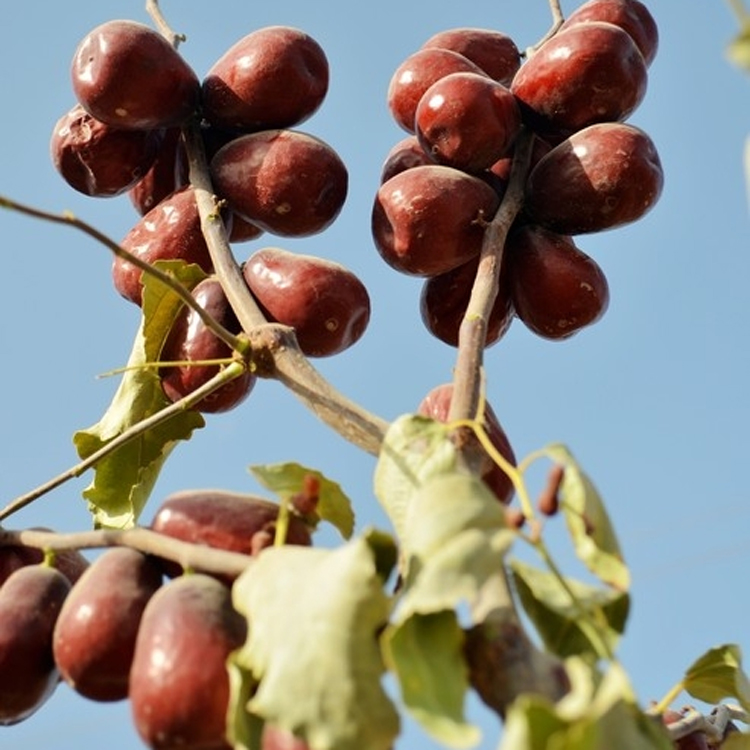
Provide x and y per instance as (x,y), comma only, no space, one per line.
(127,74)
(94,637)
(416,74)
(274,77)
(169,231)
(556,288)
(191,340)
(602,177)
(630,15)
(494,52)
(100,160)
(286,182)
(70,562)
(325,303)
(586,74)
(30,601)
(467,121)
(179,685)
(403,155)
(431,219)
(436,405)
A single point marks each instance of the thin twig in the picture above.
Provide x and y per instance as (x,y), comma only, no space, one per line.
(557,21)
(188,555)
(153,9)
(230,372)
(69,219)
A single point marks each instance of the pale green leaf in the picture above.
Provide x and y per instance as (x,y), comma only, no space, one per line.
(717,675)
(736,741)
(590,528)
(414,449)
(738,50)
(589,624)
(314,618)
(426,654)
(287,480)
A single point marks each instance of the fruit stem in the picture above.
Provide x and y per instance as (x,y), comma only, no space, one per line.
(230,372)
(179,289)
(557,22)
(189,556)
(153,9)
(661,706)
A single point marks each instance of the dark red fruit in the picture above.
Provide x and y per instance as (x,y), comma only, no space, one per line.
(444,300)
(126,74)
(191,340)
(692,741)
(429,220)
(225,520)
(325,303)
(467,121)
(286,182)
(30,601)
(630,15)
(179,684)
(405,154)
(602,177)
(70,562)
(275,77)
(494,52)
(416,74)
(167,174)
(589,73)
(436,405)
(243,230)
(556,288)
(100,160)
(95,634)
(169,231)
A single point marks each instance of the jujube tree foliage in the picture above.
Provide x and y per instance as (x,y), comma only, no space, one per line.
(214,613)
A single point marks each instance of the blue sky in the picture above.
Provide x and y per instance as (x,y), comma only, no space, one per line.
(653,399)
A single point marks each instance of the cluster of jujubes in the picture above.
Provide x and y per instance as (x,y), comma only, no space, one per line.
(135,95)
(466,97)
(131,626)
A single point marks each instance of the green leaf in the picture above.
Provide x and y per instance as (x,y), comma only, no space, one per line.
(717,675)
(588,523)
(314,619)
(123,481)
(736,741)
(426,654)
(738,50)
(589,626)
(414,449)
(288,479)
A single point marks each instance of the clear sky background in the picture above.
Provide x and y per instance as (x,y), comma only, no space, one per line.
(653,400)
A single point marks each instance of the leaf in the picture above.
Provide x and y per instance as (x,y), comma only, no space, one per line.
(588,523)
(414,449)
(738,50)
(736,741)
(124,479)
(288,479)
(717,675)
(564,628)
(426,654)
(314,619)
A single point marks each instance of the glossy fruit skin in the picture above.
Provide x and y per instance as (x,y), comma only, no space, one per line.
(416,74)
(70,562)
(556,288)
(169,231)
(179,685)
(630,15)
(428,220)
(586,74)
(403,155)
(325,303)
(286,182)
(128,75)
(602,177)
(94,637)
(100,160)
(467,121)
(275,77)
(494,52)
(167,174)
(190,339)
(224,520)
(444,299)
(30,601)
(436,405)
